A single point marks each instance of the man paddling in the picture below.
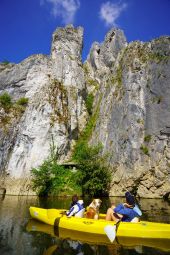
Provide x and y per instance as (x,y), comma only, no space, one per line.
(127,212)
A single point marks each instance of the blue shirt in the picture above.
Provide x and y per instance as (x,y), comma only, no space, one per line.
(128,213)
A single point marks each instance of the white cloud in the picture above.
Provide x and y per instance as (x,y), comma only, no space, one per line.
(66,9)
(109,12)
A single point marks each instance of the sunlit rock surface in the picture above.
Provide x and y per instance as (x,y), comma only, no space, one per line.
(131,88)
(134,119)
(55,88)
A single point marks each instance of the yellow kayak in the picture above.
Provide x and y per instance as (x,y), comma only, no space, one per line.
(95,239)
(141,229)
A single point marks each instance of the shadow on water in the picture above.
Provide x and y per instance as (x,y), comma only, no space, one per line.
(16,240)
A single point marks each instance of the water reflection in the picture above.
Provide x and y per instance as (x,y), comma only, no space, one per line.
(15,239)
(94,239)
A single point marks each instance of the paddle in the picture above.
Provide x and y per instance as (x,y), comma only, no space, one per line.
(110,231)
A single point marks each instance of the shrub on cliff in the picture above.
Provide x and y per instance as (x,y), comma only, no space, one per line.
(89,103)
(53,179)
(5,101)
(94,175)
(22,101)
(5,62)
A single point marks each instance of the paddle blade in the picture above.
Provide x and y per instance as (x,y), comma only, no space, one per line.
(110,231)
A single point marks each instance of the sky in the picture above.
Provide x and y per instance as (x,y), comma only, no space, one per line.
(26,26)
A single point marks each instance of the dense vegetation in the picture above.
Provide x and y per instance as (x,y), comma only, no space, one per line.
(94,175)
(54,179)
(91,178)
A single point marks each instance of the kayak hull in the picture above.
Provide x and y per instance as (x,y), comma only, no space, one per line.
(141,229)
(96,239)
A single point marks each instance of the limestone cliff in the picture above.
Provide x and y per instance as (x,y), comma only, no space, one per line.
(55,88)
(131,84)
(134,119)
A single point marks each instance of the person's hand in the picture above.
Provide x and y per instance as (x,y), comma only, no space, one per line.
(127,205)
(113,205)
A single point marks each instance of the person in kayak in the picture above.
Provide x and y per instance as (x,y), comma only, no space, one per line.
(128,212)
(75,199)
(77,208)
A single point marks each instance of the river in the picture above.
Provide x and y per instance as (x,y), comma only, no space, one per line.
(17,238)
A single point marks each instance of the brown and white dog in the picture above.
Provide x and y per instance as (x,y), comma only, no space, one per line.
(93,209)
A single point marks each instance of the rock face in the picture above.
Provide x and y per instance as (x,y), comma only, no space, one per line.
(131,88)
(134,120)
(55,88)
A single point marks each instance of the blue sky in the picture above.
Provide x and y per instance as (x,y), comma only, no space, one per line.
(26,26)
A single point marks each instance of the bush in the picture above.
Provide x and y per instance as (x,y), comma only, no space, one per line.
(5,100)
(94,176)
(22,101)
(53,179)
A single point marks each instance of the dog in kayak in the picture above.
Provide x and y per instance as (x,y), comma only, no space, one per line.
(93,209)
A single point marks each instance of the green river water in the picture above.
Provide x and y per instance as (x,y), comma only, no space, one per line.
(17,239)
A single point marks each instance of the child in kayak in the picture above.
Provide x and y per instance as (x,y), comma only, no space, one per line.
(76,208)
(75,199)
(128,211)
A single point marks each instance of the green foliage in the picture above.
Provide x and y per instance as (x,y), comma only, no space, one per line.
(59,107)
(22,101)
(5,101)
(119,76)
(85,136)
(145,149)
(94,83)
(5,62)
(53,179)
(140,121)
(89,103)
(94,176)
(147,138)
(158,57)
(85,68)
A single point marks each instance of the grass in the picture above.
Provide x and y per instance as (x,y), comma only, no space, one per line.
(22,101)
(147,138)
(89,103)
(144,149)
(12,110)
(5,101)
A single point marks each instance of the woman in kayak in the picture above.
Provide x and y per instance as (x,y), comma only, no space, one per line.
(76,208)
(128,211)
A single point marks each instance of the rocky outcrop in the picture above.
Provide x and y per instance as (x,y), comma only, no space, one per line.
(55,88)
(134,119)
(130,84)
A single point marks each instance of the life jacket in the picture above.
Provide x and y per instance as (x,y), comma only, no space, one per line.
(75,209)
